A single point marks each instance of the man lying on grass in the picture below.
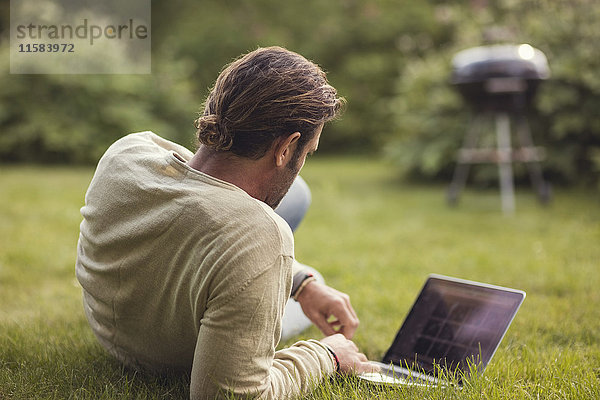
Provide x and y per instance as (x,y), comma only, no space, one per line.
(183,262)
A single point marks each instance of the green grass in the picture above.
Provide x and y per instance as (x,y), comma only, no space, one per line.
(373,237)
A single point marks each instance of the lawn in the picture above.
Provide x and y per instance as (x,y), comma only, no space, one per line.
(372,237)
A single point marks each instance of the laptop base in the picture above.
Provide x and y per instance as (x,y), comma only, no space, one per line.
(393,375)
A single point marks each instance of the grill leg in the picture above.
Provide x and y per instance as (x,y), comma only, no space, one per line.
(505,171)
(534,168)
(461,171)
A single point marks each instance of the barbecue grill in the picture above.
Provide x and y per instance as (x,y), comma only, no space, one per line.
(500,81)
(501,77)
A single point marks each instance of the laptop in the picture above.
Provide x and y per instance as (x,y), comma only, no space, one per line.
(452,330)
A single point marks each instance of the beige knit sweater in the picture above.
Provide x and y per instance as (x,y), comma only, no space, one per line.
(183,271)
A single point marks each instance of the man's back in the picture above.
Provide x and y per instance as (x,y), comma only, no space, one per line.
(183,261)
(160,251)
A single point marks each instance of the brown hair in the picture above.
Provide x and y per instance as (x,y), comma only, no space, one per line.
(262,95)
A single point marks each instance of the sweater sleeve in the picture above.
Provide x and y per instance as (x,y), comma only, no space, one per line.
(235,350)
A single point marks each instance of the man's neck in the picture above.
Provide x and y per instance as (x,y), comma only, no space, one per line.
(245,173)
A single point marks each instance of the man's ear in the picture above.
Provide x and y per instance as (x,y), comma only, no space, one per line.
(285,147)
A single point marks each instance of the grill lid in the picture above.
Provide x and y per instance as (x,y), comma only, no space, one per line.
(479,64)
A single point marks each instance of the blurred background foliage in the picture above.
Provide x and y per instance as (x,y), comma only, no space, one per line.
(390,59)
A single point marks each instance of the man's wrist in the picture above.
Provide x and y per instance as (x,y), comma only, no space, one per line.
(334,357)
(301,279)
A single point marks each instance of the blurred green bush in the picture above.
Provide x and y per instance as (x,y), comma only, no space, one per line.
(390,60)
(74,118)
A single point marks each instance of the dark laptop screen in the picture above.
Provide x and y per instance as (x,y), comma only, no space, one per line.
(452,321)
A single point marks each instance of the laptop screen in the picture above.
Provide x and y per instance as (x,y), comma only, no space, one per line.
(453,321)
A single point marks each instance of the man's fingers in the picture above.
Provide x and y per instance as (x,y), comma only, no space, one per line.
(348,329)
(339,327)
(319,302)
(322,323)
(366,367)
(329,327)
(348,332)
(349,306)
(346,316)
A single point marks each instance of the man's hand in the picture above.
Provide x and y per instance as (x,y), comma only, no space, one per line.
(351,360)
(329,309)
